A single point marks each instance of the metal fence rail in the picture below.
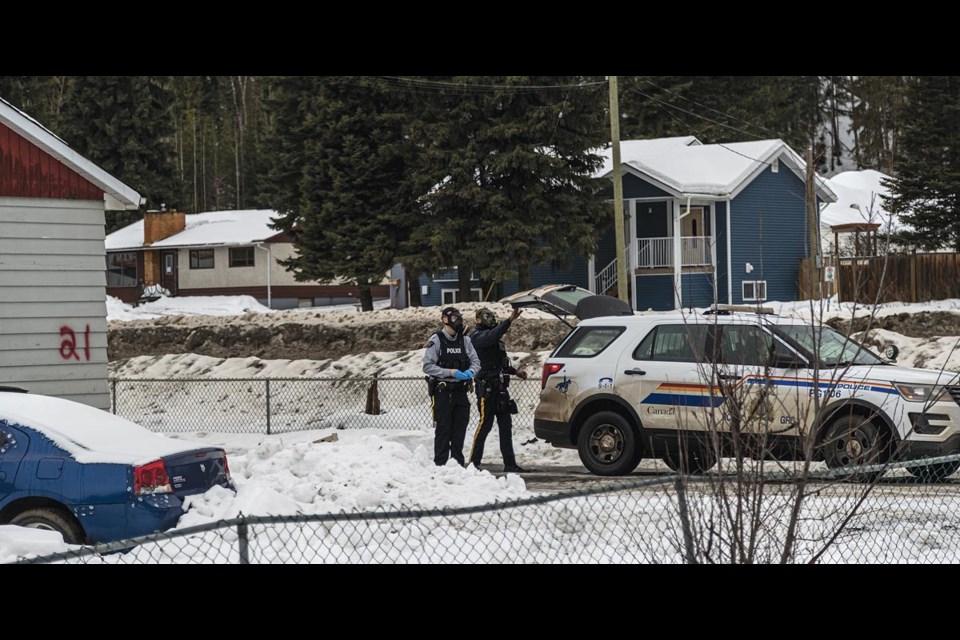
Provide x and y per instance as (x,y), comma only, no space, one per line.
(668,519)
(257,405)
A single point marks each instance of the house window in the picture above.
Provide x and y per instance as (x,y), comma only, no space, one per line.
(241,257)
(452,296)
(122,269)
(450,275)
(201,259)
(754,290)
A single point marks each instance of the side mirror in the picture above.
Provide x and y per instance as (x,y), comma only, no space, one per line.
(891,353)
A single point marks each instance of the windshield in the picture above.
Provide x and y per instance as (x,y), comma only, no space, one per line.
(835,349)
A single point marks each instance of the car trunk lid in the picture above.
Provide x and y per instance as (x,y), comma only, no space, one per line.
(197,471)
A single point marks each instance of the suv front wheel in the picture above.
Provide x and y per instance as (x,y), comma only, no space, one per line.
(608,445)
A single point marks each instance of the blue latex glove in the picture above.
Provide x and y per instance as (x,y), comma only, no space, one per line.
(460,375)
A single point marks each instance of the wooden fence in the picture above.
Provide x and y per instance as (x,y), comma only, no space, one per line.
(915,277)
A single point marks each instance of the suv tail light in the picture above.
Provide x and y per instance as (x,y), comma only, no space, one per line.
(151,478)
(548,370)
(226,467)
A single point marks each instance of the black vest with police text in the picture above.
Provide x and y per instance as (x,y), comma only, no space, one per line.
(453,353)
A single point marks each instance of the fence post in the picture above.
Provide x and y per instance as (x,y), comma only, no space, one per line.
(685,520)
(113,395)
(242,540)
(913,276)
(268,406)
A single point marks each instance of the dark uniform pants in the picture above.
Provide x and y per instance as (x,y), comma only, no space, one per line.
(451,413)
(492,402)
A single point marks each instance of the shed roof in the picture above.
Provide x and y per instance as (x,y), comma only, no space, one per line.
(119,195)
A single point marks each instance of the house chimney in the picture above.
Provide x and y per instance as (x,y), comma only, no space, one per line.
(158,225)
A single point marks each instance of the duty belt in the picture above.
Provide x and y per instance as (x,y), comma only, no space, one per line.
(451,385)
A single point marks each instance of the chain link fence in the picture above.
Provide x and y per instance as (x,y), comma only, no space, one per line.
(283,405)
(668,519)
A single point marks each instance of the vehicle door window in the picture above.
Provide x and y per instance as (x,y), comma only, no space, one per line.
(673,343)
(747,345)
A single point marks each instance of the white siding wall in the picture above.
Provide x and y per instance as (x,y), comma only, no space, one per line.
(222,275)
(52,283)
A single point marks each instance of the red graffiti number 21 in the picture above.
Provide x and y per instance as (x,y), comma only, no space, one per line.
(68,346)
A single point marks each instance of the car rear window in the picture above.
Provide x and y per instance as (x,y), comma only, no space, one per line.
(587,342)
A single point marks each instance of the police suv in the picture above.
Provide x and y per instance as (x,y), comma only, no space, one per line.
(685,386)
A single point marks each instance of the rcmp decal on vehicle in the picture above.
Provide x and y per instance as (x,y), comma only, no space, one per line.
(605,383)
(564,386)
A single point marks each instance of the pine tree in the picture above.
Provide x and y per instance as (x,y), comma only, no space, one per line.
(877,111)
(926,193)
(40,97)
(340,175)
(512,173)
(124,125)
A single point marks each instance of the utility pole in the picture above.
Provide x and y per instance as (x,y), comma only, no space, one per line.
(622,282)
(813,228)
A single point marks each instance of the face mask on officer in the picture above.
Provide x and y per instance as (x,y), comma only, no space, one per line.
(486,319)
(454,319)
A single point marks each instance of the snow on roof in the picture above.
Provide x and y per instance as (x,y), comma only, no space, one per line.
(210,228)
(88,434)
(859,201)
(122,195)
(684,166)
(634,149)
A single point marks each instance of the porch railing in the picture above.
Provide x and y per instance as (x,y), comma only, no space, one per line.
(653,253)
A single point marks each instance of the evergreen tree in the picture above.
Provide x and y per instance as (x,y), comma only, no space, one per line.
(877,111)
(723,108)
(512,172)
(40,97)
(926,193)
(340,175)
(124,125)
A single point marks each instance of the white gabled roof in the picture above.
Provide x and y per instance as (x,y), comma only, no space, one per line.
(711,170)
(213,228)
(859,201)
(122,196)
(631,150)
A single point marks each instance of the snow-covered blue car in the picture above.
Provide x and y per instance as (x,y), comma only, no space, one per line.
(93,476)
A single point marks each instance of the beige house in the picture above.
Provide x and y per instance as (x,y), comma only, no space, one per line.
(214,254)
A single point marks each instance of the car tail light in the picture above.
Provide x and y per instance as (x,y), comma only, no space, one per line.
(226,467)
(548,370)
(151,478)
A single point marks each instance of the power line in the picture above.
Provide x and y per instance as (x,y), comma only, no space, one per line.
(696,115)
(717,111)
(423,83)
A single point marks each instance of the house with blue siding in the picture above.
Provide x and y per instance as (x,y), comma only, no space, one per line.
(708,223)
(705,223)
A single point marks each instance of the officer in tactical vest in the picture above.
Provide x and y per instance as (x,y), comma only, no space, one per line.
(493,397)
(450,362)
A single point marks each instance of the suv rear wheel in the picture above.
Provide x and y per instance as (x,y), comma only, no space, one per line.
(608,445)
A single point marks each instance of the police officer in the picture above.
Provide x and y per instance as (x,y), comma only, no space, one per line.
(493,398)
(450,362)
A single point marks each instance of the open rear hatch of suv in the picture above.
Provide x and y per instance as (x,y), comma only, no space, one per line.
(568,300)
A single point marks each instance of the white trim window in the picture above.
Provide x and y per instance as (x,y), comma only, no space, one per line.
(450,275)
(452,296)
(754,290)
